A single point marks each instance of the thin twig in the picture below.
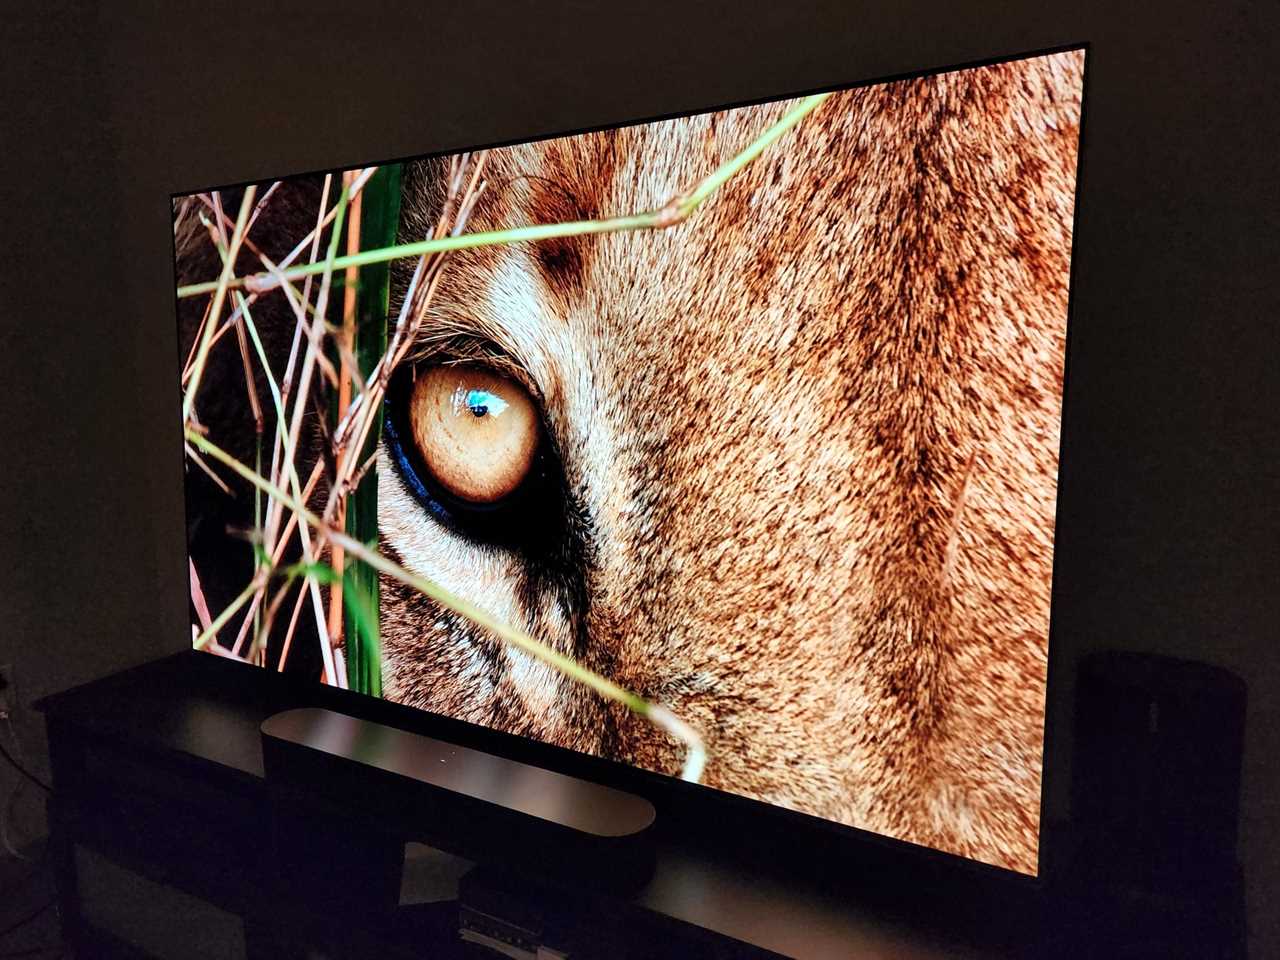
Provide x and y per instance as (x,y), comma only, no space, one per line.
(183,206)
(215,311)
(288,635)
(214,647)
(276,555)
(286,385)
(199,462)
(197,596)
(299,408)
(210,632)
(262,204)
(253,298)
(219,243)
(281,439)
(195,344)
(277,549)
(346,374)
(358,476)
(215,204)
(272,268)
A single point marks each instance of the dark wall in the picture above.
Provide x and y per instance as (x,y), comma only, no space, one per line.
(1169,530)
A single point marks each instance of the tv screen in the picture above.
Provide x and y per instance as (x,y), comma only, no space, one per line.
(723,446)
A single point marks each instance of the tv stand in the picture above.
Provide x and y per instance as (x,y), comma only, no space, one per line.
(165,773)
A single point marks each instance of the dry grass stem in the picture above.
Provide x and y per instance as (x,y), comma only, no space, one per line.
(215,311)
(199,462)
(299,409)
(292,628)
(348,371)
(197,596)
(286,385)
(276,556)
(211,632)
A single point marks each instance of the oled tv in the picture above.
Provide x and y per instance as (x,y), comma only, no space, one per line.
(723,446)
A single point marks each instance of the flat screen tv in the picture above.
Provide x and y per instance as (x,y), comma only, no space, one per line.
(724,445)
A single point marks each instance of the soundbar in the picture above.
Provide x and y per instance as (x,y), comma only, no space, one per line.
(347,793)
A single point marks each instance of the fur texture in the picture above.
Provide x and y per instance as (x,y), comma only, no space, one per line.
(809,451)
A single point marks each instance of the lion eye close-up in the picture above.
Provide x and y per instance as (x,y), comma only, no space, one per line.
(475,430)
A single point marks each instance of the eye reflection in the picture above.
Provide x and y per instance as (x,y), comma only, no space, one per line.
(480,402)
(476,431)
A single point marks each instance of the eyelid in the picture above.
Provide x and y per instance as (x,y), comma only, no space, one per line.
(467,348)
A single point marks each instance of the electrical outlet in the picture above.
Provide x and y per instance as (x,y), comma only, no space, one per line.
(7,696)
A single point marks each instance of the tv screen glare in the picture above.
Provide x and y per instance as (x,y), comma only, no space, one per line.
(724,446)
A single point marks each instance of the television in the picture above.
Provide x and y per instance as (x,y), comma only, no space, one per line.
(721,446)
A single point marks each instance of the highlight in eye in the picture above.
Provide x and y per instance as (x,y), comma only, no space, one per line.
(476,431)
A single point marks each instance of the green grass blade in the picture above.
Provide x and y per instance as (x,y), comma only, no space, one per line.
(379,223)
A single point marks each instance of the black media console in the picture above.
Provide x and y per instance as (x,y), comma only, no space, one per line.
(222,799)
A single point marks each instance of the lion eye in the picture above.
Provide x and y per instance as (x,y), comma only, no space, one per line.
(477,432)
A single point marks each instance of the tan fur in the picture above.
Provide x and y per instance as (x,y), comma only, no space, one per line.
(813,436)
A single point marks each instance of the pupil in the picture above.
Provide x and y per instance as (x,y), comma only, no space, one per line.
(481,403)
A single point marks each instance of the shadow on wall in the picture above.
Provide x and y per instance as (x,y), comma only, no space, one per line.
(1155,805)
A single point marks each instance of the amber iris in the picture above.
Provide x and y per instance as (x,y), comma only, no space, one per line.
(477,432)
